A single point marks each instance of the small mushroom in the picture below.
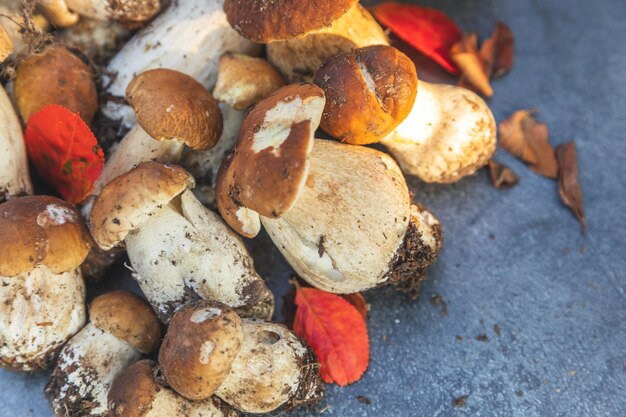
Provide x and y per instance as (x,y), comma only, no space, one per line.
(58,13)
(369,91)
(139,392)
(55,76)
(273,369)
(179,249)
(189,36)
(97,39)
(123,10)
(340,214)
(43,241)
(14,174)
(202,341)
(301,37)
(123,327)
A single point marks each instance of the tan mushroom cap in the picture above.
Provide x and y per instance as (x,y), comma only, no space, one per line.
(269,165)
(41,230)
(6,44)
(55,76)
(170,105)
(265,21)
(199,348)
(244,80)
(130,199)
(369,92)
(133,10)
(133,391)
(58,13)
(127,317)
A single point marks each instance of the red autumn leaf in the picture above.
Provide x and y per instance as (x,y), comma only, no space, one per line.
(64,151)
(357,301)
(428,30)
(337,333)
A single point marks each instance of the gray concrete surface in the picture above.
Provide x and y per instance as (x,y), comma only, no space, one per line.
(514,258)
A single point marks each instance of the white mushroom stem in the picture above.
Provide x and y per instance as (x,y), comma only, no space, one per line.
(85,370)
(14,175)
(190,36)
(203,165)
(40,311)
(136,147)
(348,221)
(298,59)
(188,251)
(449,134)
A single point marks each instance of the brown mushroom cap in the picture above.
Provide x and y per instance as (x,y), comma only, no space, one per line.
(55,76)
(127,317)
(130,199)
(264,21)
(244,80)
(369,92)
(199,348)
(172,105)
(269,165)
(133,10)
(41,230)
(133,391)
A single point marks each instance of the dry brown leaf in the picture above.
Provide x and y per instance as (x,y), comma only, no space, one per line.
(501,175)
(498,51)
(569,187)
(473,68)
(526,138)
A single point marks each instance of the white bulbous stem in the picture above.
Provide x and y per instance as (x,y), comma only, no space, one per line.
(349,220)
(185,251)
(14,174)
(85,370)
(190,36)
(40,311)
(449,133)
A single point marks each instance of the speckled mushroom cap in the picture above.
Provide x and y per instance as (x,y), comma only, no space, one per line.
(55,76)
(172,105)
(269,165)
(264,21)
(127,317)
(369,92)
(199,348)
(130,199)
(41,230)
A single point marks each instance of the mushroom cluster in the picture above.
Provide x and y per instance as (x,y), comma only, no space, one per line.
(212,141)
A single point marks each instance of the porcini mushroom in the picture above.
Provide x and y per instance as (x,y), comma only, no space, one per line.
(369,91)
(138,392)
(122,328)
(97,39)
(43,241)
(176,39)
(123,10)
(338,213)
(14,174)
(301,36)
(58,13)
(178,249)
(55,76)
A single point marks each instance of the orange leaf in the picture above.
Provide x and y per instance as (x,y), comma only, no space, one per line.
(569,187)
(526,138)
(501,175)
(64,151)
(473,67)
(357,301)
(497,51)
(428,30)
(337,333)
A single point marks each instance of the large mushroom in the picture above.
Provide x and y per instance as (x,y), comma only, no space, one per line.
(301,36)
(340,214)
(122,328)
(43,241)
(190,36)
(178,249)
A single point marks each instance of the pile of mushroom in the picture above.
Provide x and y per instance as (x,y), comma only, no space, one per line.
(192,103)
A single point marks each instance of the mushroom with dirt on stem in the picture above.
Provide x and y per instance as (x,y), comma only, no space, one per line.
(123,327)
(178,249)
(340,214)
(252,365)
(301,36)
(43,241)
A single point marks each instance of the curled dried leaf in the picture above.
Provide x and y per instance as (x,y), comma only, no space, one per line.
(498,51)
(501,175)
(527,139)
(473,67)
(569,187)
(357,301)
